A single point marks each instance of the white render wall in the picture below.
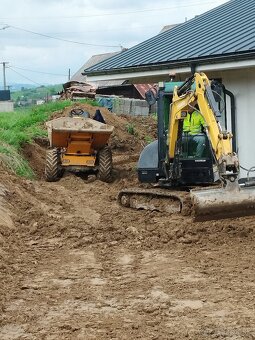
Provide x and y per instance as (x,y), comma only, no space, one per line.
(6,106)
(242,84)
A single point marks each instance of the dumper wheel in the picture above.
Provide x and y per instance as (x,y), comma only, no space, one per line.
(105,165)
(52,167)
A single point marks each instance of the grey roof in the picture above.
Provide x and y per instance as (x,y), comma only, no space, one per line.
(168,27)
(95,59)
(227,31)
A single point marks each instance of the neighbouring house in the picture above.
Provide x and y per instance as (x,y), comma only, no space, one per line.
(136,91)
(221,43)
(168,27)
(40,101)
(76,90)
(6,105)
(79,87)
(55,97)
(80,77)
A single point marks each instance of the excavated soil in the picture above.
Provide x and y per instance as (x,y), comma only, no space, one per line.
(76,265)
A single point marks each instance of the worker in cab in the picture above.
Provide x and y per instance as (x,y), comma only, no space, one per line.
(193,125)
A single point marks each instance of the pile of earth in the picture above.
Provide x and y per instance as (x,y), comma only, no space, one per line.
(131,134)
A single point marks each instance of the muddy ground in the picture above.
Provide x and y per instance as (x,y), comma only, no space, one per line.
(76,265)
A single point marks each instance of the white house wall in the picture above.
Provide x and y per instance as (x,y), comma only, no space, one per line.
(242,84)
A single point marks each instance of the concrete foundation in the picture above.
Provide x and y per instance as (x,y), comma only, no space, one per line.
(128,106)
(6,106)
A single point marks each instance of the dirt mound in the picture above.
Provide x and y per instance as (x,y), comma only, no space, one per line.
(35,155)
(131,133)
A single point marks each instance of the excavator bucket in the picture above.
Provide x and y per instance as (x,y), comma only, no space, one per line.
(211,204)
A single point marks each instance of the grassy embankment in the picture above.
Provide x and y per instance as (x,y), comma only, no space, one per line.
(22,126)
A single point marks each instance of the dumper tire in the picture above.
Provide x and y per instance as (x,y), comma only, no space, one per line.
(105,165)
(52,165)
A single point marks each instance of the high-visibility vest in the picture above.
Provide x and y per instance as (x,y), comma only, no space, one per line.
(193,123)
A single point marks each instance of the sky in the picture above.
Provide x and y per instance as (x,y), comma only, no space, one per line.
(42,39)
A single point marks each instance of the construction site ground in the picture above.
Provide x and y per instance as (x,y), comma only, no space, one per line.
(76,265)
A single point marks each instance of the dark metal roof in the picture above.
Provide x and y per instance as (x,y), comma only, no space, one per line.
(143,88)
(225,32)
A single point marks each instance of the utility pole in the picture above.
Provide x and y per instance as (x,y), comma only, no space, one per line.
(69,74)
(4,77)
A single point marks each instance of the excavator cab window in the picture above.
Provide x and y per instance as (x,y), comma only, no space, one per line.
(195,146)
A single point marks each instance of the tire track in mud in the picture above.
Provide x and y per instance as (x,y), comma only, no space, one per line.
(82,267)
(98,293)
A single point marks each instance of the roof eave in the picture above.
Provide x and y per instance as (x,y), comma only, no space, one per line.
(175,64)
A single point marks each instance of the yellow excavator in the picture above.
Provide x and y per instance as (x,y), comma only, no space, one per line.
(205,186)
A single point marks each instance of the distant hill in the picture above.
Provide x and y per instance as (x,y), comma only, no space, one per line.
(29,96)
(19,86)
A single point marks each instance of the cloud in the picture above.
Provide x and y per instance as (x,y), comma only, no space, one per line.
(83,21)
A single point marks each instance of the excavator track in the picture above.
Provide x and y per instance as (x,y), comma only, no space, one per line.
(156,199)
(202,204)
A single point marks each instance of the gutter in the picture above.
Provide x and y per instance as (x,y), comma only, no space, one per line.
(175,64)
(146,75)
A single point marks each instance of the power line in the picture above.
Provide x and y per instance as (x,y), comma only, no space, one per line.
(100,31)
(65,40)
(117,13)
(110,29)
(52,74)
(10,68)
(135,28)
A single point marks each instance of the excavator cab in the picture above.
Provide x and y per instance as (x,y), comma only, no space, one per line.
(196,168)
(187,168)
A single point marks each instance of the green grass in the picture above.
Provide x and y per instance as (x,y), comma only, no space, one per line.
(15,162)
(91,102)
(131,128)
(148,139)
(22,126)
(154,115)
